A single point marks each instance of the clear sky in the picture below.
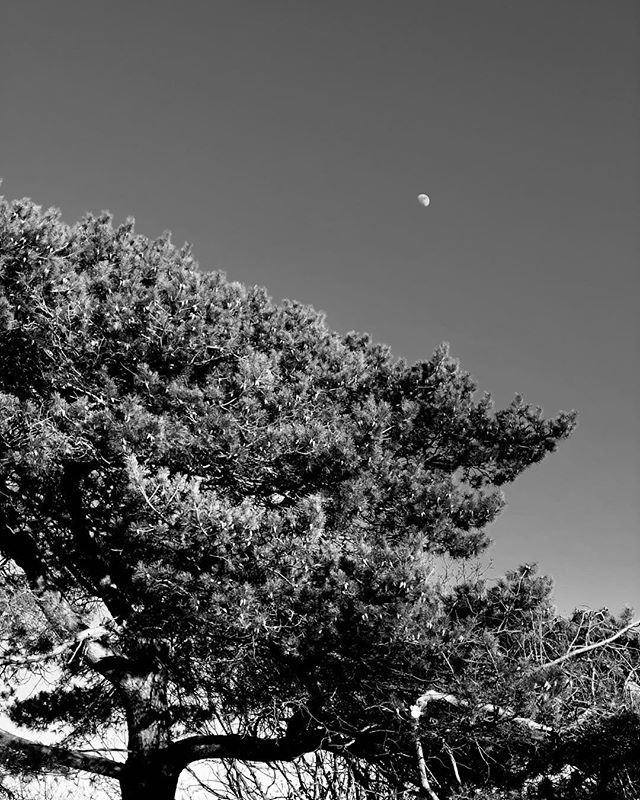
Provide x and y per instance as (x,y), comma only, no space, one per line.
(287,141)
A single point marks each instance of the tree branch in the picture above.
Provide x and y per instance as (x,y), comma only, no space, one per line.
(78,639)
(422,764)
(588,647)
(489,708)
(69,625)
(244,748)
(23,753)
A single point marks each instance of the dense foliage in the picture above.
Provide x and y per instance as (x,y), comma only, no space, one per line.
(218,517)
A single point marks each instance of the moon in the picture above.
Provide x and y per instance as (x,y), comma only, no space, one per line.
(424,200)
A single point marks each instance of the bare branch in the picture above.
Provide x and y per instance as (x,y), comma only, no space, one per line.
(244,748)
(422,764)
(489,708)
(18,751)
(454,764)
(588,647)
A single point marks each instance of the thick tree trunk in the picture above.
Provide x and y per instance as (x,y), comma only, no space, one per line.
(147,778)
(150,772)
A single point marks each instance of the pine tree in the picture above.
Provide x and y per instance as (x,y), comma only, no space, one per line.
(216,511)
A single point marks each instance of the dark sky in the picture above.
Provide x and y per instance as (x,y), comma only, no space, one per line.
(287,141)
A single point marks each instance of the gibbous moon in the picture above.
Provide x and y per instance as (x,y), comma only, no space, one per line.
(424,200)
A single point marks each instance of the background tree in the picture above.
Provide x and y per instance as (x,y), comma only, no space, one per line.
(214,510)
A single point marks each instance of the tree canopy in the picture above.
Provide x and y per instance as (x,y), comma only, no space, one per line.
(221,524)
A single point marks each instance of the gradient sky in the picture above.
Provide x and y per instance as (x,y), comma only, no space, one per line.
(287,141)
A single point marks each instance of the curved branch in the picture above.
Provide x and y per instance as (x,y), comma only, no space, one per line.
(23,753)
